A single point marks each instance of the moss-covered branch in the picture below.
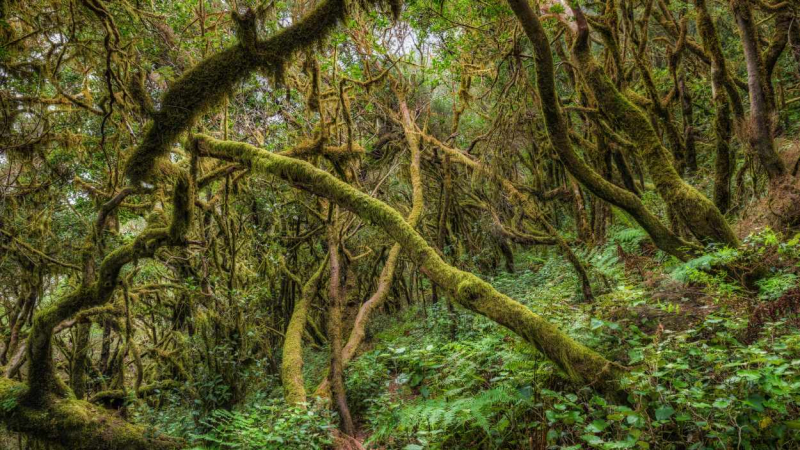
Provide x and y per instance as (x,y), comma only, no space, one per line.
(207,83)
(580,364)
(559,138)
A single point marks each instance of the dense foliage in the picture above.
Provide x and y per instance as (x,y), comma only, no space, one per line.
(402,225)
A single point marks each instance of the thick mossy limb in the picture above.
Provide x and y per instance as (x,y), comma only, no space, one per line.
(207,83)
(76,424)
(292,362)
(581,364)
(694,210)
(559,138)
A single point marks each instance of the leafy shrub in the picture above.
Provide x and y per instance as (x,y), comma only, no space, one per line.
(268,425)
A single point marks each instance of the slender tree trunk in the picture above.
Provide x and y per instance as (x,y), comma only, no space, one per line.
(726,101)
(688,126)
(388,272)
(292,360)
(80,360)
(337,297)
(761,107)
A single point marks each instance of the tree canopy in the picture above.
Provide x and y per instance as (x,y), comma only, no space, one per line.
(385,224)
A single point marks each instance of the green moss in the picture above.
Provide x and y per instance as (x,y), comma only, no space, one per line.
(693,209)
(292,361)
(581,363)
(10,394)
(74,424)
(182,208)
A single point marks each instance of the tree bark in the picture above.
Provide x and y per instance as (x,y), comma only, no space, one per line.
(761,106)
(336,300)
(579,363)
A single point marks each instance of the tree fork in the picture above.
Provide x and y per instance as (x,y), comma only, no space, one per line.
(662,237)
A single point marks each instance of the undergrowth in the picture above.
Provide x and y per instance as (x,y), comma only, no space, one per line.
(700,377)
(695,385)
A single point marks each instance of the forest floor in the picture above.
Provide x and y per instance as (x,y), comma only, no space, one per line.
(713,364)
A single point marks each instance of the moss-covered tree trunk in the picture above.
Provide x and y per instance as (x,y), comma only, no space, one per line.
(559,137)
(75,424)
(725,102)
(691,207)
(80,359)
(580,364)
(292,360)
